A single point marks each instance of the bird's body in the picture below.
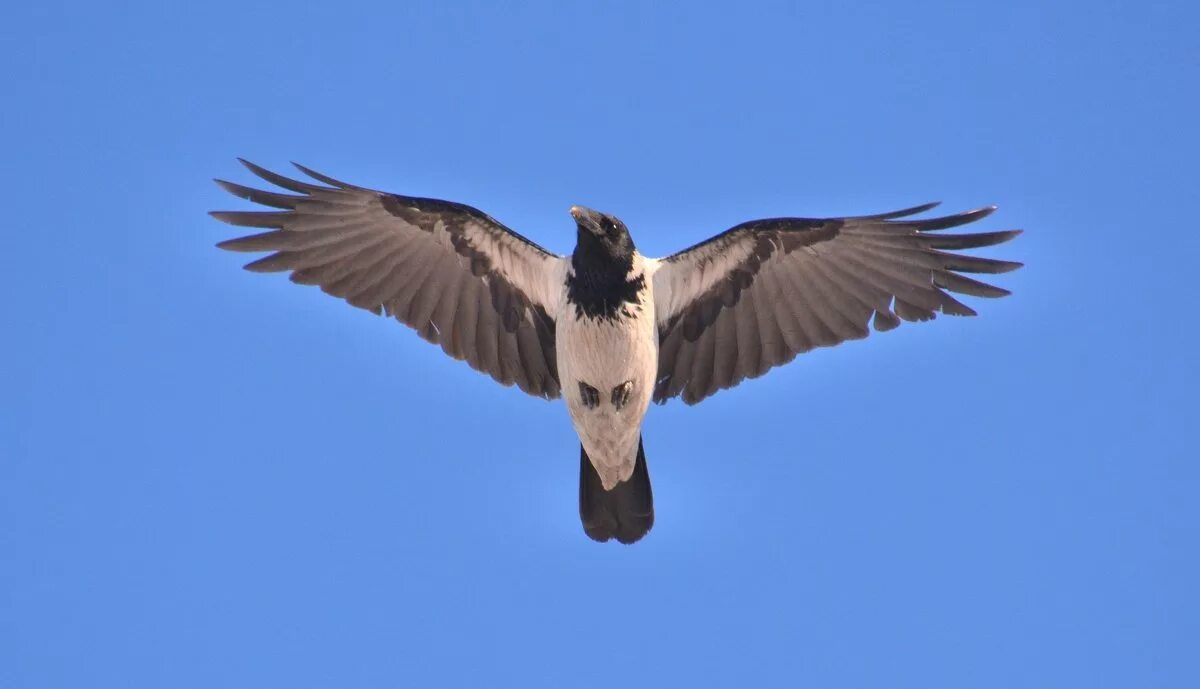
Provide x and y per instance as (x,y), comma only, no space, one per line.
(617,357)
(606,328)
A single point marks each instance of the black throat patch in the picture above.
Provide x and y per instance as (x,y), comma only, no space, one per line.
(602,289)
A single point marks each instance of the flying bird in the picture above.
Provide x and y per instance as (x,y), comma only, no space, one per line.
(607,329)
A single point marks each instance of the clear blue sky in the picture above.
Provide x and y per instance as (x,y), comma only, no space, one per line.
(216,479)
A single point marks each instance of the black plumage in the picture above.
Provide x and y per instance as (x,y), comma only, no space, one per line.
(605,328)
(430,264)
(599,284)
(626,512)
(802,283)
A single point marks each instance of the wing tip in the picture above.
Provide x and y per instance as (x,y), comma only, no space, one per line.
(258,170)
(904,212)
(981,212)
(916,209)
(1001,267)
(267,264)
(325,179)
(946,222)
(233,188)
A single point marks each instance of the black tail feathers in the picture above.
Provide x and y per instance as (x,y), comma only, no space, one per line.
(626,512)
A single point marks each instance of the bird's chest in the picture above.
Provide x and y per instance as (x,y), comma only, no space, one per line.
(606,352)
(607,367)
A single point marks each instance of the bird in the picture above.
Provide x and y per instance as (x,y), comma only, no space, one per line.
(607,329)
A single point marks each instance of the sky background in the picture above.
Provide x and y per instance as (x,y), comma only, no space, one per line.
(210,478)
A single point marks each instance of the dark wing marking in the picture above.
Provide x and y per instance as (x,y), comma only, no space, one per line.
(462,280)
(755,296)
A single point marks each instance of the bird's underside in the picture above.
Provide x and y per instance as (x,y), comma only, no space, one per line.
(729,308)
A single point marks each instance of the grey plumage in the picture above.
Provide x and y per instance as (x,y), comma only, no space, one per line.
(620,328)
(801,283)
(455,275)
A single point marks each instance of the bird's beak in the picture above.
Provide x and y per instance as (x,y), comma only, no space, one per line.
(586,218)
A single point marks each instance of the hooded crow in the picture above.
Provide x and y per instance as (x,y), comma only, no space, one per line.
(606,328)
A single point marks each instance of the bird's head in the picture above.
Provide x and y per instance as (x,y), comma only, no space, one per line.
(601,232)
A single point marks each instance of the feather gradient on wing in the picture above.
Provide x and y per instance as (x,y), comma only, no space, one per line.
(462,280)
(755,296)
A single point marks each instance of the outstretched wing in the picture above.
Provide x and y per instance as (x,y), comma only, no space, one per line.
(462,280)
(757,295)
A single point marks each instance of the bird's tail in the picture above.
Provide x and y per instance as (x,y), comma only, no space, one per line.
(626,512)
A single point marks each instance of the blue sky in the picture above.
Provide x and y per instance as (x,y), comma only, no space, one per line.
(216,479)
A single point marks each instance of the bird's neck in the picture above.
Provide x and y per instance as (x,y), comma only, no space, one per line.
(594,264)
(600,285)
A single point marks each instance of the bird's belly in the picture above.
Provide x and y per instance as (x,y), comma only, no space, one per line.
(604,355)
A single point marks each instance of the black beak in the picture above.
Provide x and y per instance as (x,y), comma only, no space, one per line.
(587,219)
